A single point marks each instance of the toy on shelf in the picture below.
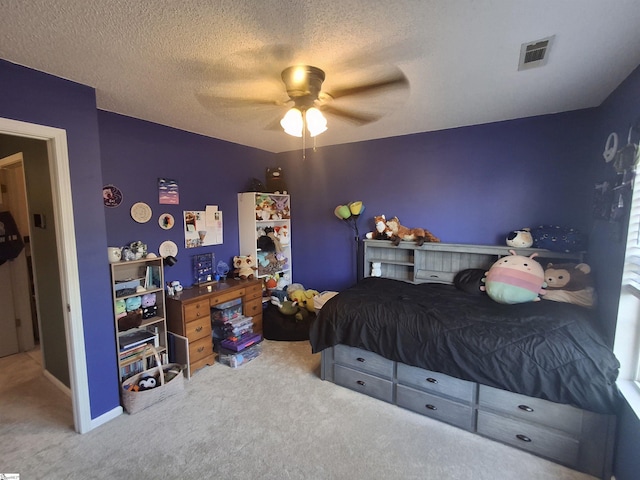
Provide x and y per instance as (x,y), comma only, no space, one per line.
(244,266)
(399,232)
(520,238)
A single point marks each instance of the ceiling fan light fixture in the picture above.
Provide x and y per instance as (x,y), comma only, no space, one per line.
(316,123)
(292,122)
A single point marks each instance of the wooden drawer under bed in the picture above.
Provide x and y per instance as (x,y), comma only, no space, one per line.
(573,437)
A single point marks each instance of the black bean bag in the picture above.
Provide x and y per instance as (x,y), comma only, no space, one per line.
(277,326)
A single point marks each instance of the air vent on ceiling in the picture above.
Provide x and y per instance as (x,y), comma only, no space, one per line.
(535,54)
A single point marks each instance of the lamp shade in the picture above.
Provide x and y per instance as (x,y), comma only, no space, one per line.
(316,123)
(356,208)
(342,212)
(292,122)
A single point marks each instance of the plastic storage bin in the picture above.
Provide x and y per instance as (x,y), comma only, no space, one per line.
(227,311)
(235,359)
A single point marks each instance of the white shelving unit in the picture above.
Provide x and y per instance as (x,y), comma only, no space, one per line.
(258,212)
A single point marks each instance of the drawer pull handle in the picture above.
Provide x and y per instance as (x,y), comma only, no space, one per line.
(431,407)
(360,359)
(524,438)
(526,408)
(432,380)
(201,349)
(199,329)
(361,383)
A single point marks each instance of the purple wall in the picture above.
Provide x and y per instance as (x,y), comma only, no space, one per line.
(608,243)
(136,153)
(465,185)
(35,97)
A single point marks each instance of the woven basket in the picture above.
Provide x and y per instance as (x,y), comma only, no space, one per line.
(134,401)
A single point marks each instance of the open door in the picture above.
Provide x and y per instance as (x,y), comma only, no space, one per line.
(16,326)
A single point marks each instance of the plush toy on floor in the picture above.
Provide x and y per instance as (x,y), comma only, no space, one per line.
(515,279)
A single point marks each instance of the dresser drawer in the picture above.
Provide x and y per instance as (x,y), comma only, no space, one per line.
(251,308)
(198,328)
(551,414)
(364,383)
(437,382)
(254,291)
(200,349)
(196,310)
(225,297)
(440,408)
(536,439)
(364,360)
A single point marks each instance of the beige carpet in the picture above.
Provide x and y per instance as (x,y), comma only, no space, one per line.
(272,418)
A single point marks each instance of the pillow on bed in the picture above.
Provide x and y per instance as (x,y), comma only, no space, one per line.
(470,280)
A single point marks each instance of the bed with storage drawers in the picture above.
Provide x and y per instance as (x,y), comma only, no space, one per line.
(537,376)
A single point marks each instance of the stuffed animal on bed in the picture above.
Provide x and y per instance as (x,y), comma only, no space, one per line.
(515,279)
(399,232)
(571,283)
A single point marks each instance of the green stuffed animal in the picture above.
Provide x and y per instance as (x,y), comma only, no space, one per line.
(288,307)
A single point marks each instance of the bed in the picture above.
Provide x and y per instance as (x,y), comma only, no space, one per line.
(537,375)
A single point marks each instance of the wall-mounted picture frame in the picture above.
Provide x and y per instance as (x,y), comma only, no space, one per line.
(168,191)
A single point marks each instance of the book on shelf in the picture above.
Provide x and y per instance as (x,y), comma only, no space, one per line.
(132,352)
(139,337)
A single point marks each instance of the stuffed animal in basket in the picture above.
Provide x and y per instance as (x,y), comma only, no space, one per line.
(244,266)
(515,279)
(399,232)
(571,283)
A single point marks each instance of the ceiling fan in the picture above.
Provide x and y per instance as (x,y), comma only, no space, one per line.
(307,101)
(304,87)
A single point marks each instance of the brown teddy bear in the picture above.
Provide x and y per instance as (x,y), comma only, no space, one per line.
(569,282)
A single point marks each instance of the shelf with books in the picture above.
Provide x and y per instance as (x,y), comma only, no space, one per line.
(139,313)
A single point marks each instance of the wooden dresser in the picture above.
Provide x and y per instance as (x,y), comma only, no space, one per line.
(189,314)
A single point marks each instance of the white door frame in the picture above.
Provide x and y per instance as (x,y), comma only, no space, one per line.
(56,139)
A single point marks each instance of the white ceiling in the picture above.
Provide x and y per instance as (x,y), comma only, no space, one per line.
(158,59)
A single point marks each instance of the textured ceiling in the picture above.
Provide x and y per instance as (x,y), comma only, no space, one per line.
(170,62)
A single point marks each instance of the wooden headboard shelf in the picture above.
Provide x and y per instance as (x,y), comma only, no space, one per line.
(439,262)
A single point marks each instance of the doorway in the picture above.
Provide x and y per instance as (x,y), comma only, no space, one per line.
(65,245)
(18,317)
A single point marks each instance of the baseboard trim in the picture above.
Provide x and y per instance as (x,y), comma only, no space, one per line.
(105,417)
(61,386)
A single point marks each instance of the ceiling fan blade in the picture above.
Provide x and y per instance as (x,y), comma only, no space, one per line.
(396,80)
(274,125)
(215,102)
(354,117)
